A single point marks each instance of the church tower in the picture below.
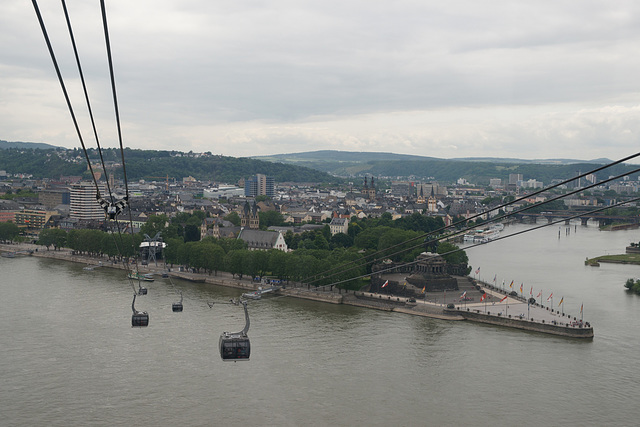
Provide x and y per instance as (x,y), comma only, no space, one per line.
(250,217)
(432,202)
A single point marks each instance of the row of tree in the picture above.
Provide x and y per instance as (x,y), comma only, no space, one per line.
(314,252)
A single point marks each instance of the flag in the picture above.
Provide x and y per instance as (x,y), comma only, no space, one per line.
(478,270)
(521,284)
(464,294)
(494,278)
(483,297)
(531,291)
(423,289)
(550,297)
(511,285)
(505,297)
(561,299)
(539,294)
(385,283)
(581,307)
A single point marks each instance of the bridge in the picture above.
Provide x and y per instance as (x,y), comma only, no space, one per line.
(551,216)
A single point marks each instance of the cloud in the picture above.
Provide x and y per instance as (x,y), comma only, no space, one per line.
(460,78)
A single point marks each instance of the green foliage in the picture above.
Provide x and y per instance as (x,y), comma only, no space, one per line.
(8,231)
(633,285)
(52,237)
(234,218)
(191,233)
(452,253)
(268,219)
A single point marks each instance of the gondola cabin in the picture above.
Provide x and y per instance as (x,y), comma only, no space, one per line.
(234,347)
(140,319)
(177,306)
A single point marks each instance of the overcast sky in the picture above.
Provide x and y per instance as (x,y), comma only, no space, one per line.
(539,79)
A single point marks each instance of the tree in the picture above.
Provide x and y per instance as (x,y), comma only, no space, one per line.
(269,218)
(155,224)
(215,258)
(49,236)
(368,239)
(278,263)
(191,233)
(341,240)
(392,242)
(234,218)
(452,253)
(233,262)
(171,251)
(8,231)
(321,242)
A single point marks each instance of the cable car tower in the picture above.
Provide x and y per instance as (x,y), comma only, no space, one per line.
(152,246)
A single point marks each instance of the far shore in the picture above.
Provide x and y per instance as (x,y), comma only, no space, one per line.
(614,259)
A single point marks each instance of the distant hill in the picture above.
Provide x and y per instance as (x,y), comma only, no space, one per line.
(17,144)
(601,161)
(152,164)
(474,170)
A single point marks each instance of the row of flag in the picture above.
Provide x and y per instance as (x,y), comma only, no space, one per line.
(549,298)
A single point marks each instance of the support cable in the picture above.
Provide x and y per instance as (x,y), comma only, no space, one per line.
(64,88)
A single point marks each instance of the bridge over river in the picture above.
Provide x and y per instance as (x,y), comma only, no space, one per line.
(601,218)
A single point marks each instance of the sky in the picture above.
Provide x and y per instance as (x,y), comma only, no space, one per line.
(463,78)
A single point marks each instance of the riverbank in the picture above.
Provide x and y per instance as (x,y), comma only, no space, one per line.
(547,321)
(630,258)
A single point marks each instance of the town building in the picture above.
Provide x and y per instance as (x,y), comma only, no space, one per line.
(339,225)
(259,185)
(83,203)
(263,240)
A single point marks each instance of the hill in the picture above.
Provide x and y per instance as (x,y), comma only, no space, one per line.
(144,164)
(474,170)
(27,145)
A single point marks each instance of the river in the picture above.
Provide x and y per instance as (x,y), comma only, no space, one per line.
(69,357)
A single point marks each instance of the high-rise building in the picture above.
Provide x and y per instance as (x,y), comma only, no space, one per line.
(259,185)
(514,178)
(83,204)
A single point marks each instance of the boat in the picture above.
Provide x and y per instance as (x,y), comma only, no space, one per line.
(139,276)
(252,295)
(483,235)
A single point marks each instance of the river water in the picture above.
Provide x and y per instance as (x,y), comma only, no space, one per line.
(69,357)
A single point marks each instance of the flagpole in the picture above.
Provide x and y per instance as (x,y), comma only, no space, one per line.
(581,310)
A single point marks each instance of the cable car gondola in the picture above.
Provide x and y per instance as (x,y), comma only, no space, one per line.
(139,318)
(235,346)
(177,306)
(141,290)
